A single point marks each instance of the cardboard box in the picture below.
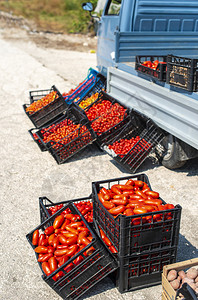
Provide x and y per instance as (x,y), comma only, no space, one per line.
(168,293)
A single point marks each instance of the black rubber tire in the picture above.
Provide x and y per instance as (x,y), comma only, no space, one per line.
(171,158)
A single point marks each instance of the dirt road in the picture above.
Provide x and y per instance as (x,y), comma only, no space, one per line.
(26,173)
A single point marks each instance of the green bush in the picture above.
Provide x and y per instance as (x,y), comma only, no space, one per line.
(55,15)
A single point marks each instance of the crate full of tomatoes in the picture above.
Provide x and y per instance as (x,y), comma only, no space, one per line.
(154,66)
(106,117)
(71,256)
(66,136)
(45,105)
(133,216)
(134,143)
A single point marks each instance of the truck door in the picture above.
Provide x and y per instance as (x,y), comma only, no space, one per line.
(106,37)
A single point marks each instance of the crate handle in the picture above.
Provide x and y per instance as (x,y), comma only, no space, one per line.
(187,292)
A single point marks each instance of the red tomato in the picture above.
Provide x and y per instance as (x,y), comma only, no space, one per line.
(71,229)
(105,238)
(72,250)
(78,260)
(46,268)
(117,210)
(58,221)
(53,264)
(128,212)
(49,230)
(139,211)
(41,249)
(62,239)
(63,260)
(108,205)
(152,194)
(139,183)
(116,190)
(50,238)
(35,237)
(60,252)
(55,241)
(69,267)
(45,257)
(119,201)
(130,182)
(113,249)
(153,202)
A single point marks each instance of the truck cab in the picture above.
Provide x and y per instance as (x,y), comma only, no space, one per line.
(131,28)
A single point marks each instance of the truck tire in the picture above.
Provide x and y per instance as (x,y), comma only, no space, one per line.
(172,156)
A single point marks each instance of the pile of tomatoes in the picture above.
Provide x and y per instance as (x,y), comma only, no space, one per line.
(37,105)
(133,198)
(58,243)
(65,131)
(85,208)
(88,101)
(152,65)
(105,115)
(123,146)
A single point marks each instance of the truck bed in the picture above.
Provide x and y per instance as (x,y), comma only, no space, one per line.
(175,112)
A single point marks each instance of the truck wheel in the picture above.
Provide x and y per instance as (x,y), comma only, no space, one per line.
(173,149)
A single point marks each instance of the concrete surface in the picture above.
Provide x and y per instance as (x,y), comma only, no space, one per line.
(27,173)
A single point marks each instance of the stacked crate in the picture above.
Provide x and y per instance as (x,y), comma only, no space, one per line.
(143,248)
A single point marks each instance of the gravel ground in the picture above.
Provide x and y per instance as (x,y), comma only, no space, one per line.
(27,173)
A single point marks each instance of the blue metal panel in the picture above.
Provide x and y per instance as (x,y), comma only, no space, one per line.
(155,43)
(159,15)
(130,68)
(180,15)
(173,112)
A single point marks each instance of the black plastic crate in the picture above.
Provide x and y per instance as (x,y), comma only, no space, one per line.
(38,94)
(49,112)
(100,85)
(45,204)
(158,73)
(101,136)
(182,72)
(129,236)
(142,270)
(146,136)
(41,146)
(93,268)
(72,143)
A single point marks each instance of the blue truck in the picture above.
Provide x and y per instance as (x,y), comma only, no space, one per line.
(127,29)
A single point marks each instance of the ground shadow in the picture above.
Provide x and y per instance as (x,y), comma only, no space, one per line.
(106,284)
(191,167)
(89,151)
(148,164)
(185,249)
